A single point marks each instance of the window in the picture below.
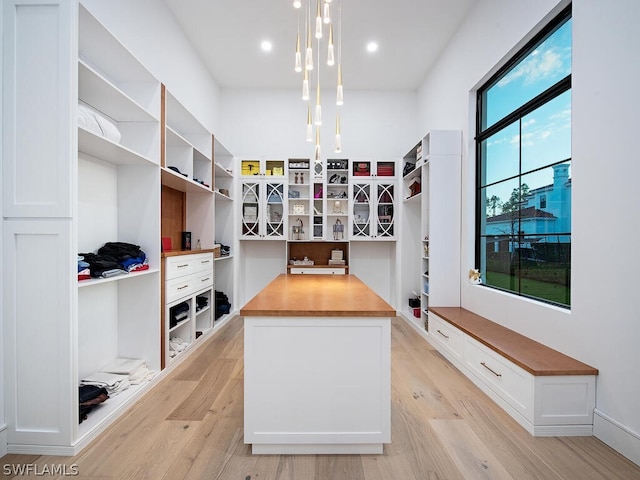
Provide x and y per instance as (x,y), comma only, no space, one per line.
(543,202)
(523,187)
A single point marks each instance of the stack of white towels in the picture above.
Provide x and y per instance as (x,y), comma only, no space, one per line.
(97,123)
(119,375)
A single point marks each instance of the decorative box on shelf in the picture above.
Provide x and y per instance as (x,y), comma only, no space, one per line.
(306,261)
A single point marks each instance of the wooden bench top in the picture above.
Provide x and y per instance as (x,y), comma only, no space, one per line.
(534,357)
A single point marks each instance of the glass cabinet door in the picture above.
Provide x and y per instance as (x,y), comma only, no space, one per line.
(385,198)
(250,209)
(361,210)
(275,209)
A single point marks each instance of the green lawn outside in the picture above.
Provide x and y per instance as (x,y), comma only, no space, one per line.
(552,292)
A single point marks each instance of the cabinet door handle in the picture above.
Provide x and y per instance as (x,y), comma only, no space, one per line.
(491,370)
(204,262)
(183,287)
(205,279)
(445,336)
(183,265)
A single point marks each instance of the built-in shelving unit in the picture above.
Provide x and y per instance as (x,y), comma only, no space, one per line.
(225,226)
(430,257)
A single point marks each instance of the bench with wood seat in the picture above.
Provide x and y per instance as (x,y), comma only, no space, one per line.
(546,391)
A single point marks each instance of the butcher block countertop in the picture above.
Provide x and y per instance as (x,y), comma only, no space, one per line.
(317,296)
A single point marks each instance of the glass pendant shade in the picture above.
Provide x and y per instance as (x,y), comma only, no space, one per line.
(326,15)
(317,152)
(297,3)
(309,125)
(330,55)
(318,21)
(305,86)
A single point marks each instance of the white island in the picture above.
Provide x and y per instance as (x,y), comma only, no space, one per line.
(317,376)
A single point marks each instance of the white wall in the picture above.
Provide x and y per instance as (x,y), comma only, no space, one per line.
(272,124)
(603,326)
(150,32)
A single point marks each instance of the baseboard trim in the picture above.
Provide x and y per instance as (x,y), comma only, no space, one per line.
(409,319)
(616,435)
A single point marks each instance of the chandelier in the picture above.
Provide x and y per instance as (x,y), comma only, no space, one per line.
(319,27)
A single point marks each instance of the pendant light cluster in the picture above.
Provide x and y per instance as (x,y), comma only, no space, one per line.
(315,28)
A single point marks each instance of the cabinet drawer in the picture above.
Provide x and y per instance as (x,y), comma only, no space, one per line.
(179,287)
(202,280)
(446,335)
(511,382)
(202,262)
(183,265)
(179,266)
(317,271)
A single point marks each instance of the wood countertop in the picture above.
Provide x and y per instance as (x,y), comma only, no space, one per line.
(534,357)
(317,296)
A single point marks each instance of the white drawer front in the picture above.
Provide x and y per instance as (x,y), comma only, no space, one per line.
(202,280)
(179,287)
(202,262)
(446,335)
(179,266)
(317,271)
(511,382)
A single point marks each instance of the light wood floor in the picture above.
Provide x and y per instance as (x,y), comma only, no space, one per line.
(190,426)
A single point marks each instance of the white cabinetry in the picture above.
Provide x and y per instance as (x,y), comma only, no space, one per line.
(545,405)
(263,208)
(301,203)
(188,301)
(373,206)
(80,185)
(225,225)
(430,254)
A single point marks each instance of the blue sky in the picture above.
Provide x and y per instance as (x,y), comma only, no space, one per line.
(546,132)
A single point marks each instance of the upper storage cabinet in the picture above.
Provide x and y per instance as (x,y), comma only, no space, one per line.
(263,166)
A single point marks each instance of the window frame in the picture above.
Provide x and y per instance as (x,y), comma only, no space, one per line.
(552,92)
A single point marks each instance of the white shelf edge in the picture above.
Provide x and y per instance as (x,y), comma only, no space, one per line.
(222,257)
(90,282)
(102,148)
(179,324)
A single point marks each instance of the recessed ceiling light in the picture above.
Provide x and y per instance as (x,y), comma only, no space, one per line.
(266,45)
(372,47)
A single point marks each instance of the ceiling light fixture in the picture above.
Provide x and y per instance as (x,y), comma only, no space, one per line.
(372,47)
(322,17)
(297,3)
(266,45)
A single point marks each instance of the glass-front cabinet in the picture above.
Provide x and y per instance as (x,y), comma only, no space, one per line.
(263,209)
(373,205)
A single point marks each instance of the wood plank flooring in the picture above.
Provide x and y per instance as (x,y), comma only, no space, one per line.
(190,426)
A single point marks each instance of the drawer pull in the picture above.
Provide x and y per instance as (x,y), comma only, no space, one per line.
(182,266)
(445,336)
(492,371)
(183,287)
(204,262)
(205,279)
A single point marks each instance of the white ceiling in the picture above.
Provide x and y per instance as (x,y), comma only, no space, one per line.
(410,33)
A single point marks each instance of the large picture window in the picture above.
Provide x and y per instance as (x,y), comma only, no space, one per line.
(523,187)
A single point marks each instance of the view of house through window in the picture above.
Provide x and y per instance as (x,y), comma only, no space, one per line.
(523,150)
